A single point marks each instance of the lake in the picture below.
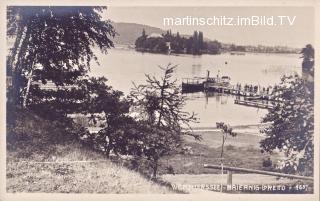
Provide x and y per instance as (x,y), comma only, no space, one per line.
(122,67)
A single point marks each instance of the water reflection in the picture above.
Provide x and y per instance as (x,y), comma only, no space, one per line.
(212,107)
(124,67)
(196,69)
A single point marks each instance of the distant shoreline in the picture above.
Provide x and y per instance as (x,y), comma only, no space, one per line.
(129,47)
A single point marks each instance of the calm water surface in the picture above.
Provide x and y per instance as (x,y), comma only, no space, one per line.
(122,67)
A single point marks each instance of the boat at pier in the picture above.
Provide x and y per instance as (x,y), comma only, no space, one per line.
(197,84)
(192,84)
(253,95)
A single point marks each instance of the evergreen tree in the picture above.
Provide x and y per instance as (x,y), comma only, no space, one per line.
(141,41)
(195,43)
(144,33)
(201,43)
(160,104)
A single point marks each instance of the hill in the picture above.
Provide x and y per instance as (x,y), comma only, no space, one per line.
(129,32)
(40,159)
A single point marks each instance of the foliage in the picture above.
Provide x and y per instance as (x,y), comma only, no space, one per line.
(54,43)
(192,45)
(89,95)
(54,46)
(291,127)
(121,136)
(213,47)
(308,59)
(226,130)
(237,48)
(159,103)
(29,132)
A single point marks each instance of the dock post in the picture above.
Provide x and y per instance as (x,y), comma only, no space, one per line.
(229,179)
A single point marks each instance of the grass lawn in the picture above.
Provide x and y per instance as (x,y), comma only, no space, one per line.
(39,140)
(58,172)
(104,176)
(240,151)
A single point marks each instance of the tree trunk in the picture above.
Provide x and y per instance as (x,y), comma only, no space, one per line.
(162,101)
(16,70)
(155,169)
(108,152)
(223,141)
(25,98)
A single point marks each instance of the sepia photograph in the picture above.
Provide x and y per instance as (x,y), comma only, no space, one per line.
(131,99)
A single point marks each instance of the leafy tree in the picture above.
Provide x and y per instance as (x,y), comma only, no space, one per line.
(308,60)
(53,44)
(168,35)
(177,45)
(189,45)
(122,135)
(109,103)
(178,35)
(159,103)
(291,127)
(237,48)
(213,47)
(193,45)
(226,130)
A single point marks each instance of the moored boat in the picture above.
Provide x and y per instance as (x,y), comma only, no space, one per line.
(204,83)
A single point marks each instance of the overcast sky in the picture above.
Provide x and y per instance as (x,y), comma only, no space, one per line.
(297,35)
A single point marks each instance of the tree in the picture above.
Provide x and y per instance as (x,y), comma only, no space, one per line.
(103,100)
(140,42)
(159,103)
(226,131)
(121,135)
(291,127)
(191,45)
(144,33)
(195,44)
(54,44)
(213,47)
(201,43)
(308,61)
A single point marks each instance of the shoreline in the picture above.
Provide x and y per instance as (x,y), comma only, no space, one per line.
(250,129)
(125,47)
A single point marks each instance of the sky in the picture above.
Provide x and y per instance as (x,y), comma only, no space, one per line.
(297,35)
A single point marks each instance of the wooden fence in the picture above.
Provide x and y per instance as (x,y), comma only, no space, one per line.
(258,172)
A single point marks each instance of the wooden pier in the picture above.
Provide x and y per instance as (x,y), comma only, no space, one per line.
(253,95)
(232,90)
(258,104)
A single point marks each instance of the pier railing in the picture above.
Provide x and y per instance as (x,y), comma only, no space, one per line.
(218,167)
(257,104)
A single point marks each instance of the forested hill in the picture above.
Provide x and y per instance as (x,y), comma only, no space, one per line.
(129,32)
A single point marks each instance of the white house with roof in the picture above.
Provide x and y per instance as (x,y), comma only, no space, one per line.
(155,35)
